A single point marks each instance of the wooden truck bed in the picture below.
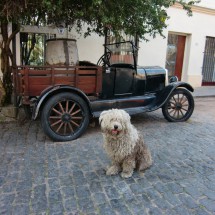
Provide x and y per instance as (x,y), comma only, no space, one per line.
(30,81)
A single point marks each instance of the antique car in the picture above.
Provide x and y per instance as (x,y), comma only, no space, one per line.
(67,97)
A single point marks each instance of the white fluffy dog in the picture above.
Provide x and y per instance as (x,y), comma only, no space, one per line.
(123,144)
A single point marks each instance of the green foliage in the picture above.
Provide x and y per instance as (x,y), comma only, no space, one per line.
(32,49)
(132,16)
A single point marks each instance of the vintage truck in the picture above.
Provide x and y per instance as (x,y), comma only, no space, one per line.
(66,97)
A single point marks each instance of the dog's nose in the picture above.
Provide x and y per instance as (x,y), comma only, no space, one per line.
(115,126)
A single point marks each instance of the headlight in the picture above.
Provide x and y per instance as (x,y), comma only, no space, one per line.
(173,79)
(167,78)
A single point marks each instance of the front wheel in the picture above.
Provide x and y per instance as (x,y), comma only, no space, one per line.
(179,106)
(65,117)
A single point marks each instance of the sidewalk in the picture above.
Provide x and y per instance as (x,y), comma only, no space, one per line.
(204,91)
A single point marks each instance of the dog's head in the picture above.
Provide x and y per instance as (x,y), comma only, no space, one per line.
(115,122)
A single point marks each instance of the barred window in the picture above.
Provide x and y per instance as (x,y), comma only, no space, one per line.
(208,68)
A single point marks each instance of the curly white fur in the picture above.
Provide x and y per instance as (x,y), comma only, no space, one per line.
(123,144)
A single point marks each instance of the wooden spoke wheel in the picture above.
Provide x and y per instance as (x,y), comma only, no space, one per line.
(179,106)
(65,117)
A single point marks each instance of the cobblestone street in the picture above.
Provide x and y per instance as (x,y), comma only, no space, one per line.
(38,176)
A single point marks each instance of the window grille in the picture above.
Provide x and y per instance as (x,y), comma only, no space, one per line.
(208,68)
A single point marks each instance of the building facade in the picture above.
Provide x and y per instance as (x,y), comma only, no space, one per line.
(183,51)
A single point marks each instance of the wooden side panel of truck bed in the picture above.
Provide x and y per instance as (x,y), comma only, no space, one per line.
(31,81)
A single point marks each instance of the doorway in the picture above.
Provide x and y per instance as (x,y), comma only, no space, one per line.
(175,54)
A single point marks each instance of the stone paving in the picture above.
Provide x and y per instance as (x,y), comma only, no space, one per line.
(38,176)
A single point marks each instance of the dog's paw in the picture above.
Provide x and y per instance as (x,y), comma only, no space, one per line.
(141,174)
(113,170)
(126,174)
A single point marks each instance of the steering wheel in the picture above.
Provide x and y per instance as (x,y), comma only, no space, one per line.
(104,59)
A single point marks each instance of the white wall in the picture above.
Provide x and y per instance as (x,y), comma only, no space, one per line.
(153,52)
(207,3)
(196,28)
(90,48)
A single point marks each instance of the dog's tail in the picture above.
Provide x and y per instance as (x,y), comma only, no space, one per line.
(145,161)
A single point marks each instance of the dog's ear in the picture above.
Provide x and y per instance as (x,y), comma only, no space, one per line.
(102,116)
(126,116)
(100,120)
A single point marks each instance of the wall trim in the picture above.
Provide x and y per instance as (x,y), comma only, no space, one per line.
(197,9)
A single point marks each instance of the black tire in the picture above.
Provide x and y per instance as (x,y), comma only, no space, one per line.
(65,116)
(179,106)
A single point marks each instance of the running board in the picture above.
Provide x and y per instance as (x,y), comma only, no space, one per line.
(130,111)
(132,105)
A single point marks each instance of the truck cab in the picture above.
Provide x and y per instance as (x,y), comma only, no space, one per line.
(123,78)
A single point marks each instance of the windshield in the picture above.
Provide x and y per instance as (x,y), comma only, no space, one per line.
(121,52)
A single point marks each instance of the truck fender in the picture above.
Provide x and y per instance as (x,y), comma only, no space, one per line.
(47,93)
(164,95)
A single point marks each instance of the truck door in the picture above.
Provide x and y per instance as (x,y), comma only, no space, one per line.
(124,79)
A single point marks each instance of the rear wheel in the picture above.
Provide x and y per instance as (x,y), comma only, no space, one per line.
(179,106)
(65,117)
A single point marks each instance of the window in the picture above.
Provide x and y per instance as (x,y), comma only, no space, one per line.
(208,69)
(33,48)
(122,53)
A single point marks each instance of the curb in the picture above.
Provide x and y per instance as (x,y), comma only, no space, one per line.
(206,96)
